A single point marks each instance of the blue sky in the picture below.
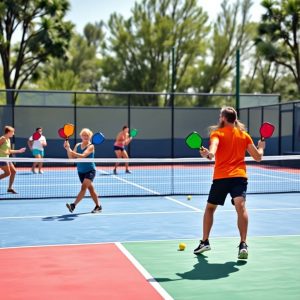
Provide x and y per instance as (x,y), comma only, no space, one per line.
(84,11)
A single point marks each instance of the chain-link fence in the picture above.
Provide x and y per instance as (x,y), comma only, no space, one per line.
(163,120)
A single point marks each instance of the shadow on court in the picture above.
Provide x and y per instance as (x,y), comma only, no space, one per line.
(204,270)
(68,217)
(27,173)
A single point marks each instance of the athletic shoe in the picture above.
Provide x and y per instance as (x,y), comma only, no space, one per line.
(203,246)
(41,171)
(128,172)
(33,171)
(243,251)
(115,171)
(97,209)
(71,207)
(12,191)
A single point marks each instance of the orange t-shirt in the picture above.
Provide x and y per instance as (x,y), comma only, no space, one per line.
(230,155)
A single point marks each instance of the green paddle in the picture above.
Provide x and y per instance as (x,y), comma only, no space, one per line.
(194,140)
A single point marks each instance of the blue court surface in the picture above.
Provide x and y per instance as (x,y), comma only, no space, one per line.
(48,222)
(161,222)
(61,180)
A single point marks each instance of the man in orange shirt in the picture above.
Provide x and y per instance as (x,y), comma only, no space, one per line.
(228,144)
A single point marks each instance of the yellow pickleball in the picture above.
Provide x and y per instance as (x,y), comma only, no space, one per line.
(182,246)
(189,197)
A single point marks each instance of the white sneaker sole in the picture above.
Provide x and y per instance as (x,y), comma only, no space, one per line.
(206,248)
(243,255)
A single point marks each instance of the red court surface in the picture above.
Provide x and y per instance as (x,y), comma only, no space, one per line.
(71,272)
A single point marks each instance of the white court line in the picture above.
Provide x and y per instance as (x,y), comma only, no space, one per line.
(110,183)
(70,176)
(144,272)
(102,214)
(273,176)
(143,213)
(264,209)
(214,238)
(150,241)
(153,192)
(189,182)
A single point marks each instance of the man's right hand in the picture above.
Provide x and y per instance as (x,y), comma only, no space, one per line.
(204,152)
(261,144)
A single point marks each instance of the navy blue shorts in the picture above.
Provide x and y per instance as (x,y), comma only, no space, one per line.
(220,188)
(3,163)
(118,148)
(88,175)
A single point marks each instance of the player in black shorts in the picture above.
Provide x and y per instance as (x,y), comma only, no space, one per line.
(228,144)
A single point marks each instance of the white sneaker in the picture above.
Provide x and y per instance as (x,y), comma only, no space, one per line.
(41,171)
(243,251)
(203,246)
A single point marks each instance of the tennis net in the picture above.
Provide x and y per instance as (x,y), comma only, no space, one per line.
(149,177)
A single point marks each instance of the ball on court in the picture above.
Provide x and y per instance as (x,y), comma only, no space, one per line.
(189,197)
(182,246)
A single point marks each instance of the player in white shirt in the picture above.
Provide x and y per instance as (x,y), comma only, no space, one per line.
(37,149)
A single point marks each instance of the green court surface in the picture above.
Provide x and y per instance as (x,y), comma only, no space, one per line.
(272,270)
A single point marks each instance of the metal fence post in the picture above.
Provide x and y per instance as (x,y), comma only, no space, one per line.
(237,82)
(75,117)
(129,119)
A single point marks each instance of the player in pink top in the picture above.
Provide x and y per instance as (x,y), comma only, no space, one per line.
(122,140)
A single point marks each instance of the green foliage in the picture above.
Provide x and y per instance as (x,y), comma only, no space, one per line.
(78,70)
(138,57)
(2,98)
(58,78)
(278,35)
(135,54)
(269,78)
(43,34)
(94,34)
(231,31)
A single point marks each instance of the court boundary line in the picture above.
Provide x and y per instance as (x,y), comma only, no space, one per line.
(153,192)
(146,241)
(274,176)
(138,160)
(104,214)
(149,278)
(88,214)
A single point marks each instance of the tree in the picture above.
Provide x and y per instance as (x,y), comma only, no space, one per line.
(42,32)
(94,34)
(138,57)
(57,76)
(80,68)
(278,35)
(83,61)
(262,77)
(231,31)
